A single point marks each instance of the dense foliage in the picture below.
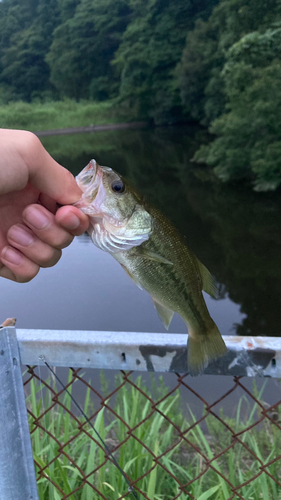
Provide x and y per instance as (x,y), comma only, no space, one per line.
(232,83)
(216,62)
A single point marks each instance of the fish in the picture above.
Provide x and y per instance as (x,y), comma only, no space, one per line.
(155,255)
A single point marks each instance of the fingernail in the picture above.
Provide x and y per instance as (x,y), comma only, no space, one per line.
(36,218)
(20,235)
(12,256)
(70,222)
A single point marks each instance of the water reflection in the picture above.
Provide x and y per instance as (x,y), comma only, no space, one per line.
(235,232)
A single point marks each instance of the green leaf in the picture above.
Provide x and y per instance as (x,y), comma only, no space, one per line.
(109,486)
(208,493)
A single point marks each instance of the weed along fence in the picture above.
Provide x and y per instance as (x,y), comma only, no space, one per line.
(131,438)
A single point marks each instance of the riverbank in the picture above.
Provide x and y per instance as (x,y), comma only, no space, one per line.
(68,116)
(92,128)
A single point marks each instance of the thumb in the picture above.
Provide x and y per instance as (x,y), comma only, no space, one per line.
(57,182)
(49,177)
(24,160)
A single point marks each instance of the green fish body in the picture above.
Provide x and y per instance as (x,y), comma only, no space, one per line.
(154,255)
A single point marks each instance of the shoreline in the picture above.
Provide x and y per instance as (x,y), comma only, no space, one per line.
(92,128)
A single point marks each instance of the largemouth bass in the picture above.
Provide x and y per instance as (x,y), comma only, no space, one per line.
(154,255)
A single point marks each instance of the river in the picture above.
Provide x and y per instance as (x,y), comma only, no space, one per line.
(234,231)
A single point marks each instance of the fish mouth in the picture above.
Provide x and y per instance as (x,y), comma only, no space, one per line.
(87,175)
(90,182)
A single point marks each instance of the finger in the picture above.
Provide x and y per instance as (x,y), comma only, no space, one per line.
(21,237)
(48,176)
(24,159)
(43,224)
(48,203)
(73,220)
(17,267)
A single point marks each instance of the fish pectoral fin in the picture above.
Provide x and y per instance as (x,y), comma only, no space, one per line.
(208,283)
(132,277)
(149,254)
(164,313)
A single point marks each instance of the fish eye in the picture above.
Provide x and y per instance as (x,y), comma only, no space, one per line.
(118,186)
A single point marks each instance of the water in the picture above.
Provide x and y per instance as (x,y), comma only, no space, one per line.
(235,232)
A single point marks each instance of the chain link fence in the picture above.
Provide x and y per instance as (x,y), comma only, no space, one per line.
(164,453)
(154,444)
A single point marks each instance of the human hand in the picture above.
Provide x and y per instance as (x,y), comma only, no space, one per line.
(32,230)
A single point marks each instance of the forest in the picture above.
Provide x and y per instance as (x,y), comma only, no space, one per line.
(214,63)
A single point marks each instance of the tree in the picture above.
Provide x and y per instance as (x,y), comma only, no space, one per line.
(249,142)
(83,47)
(198,73)
(23,49)
(67,9)
(150,49)
(203,58)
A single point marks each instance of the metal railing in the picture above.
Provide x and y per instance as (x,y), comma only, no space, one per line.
(164,452)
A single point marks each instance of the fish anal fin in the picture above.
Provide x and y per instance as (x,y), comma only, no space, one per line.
(164,313)
(203,348)
(132,277)
(149,254)
(208,283)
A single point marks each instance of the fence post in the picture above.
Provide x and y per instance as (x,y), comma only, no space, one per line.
(17,473)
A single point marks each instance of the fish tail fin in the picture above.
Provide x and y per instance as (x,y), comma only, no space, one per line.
(204,348)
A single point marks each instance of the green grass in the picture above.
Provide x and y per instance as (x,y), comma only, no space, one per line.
(38,116)
(158,435)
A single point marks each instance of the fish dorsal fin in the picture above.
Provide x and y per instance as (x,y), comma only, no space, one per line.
(208,283)
(149,254)
(164,313)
